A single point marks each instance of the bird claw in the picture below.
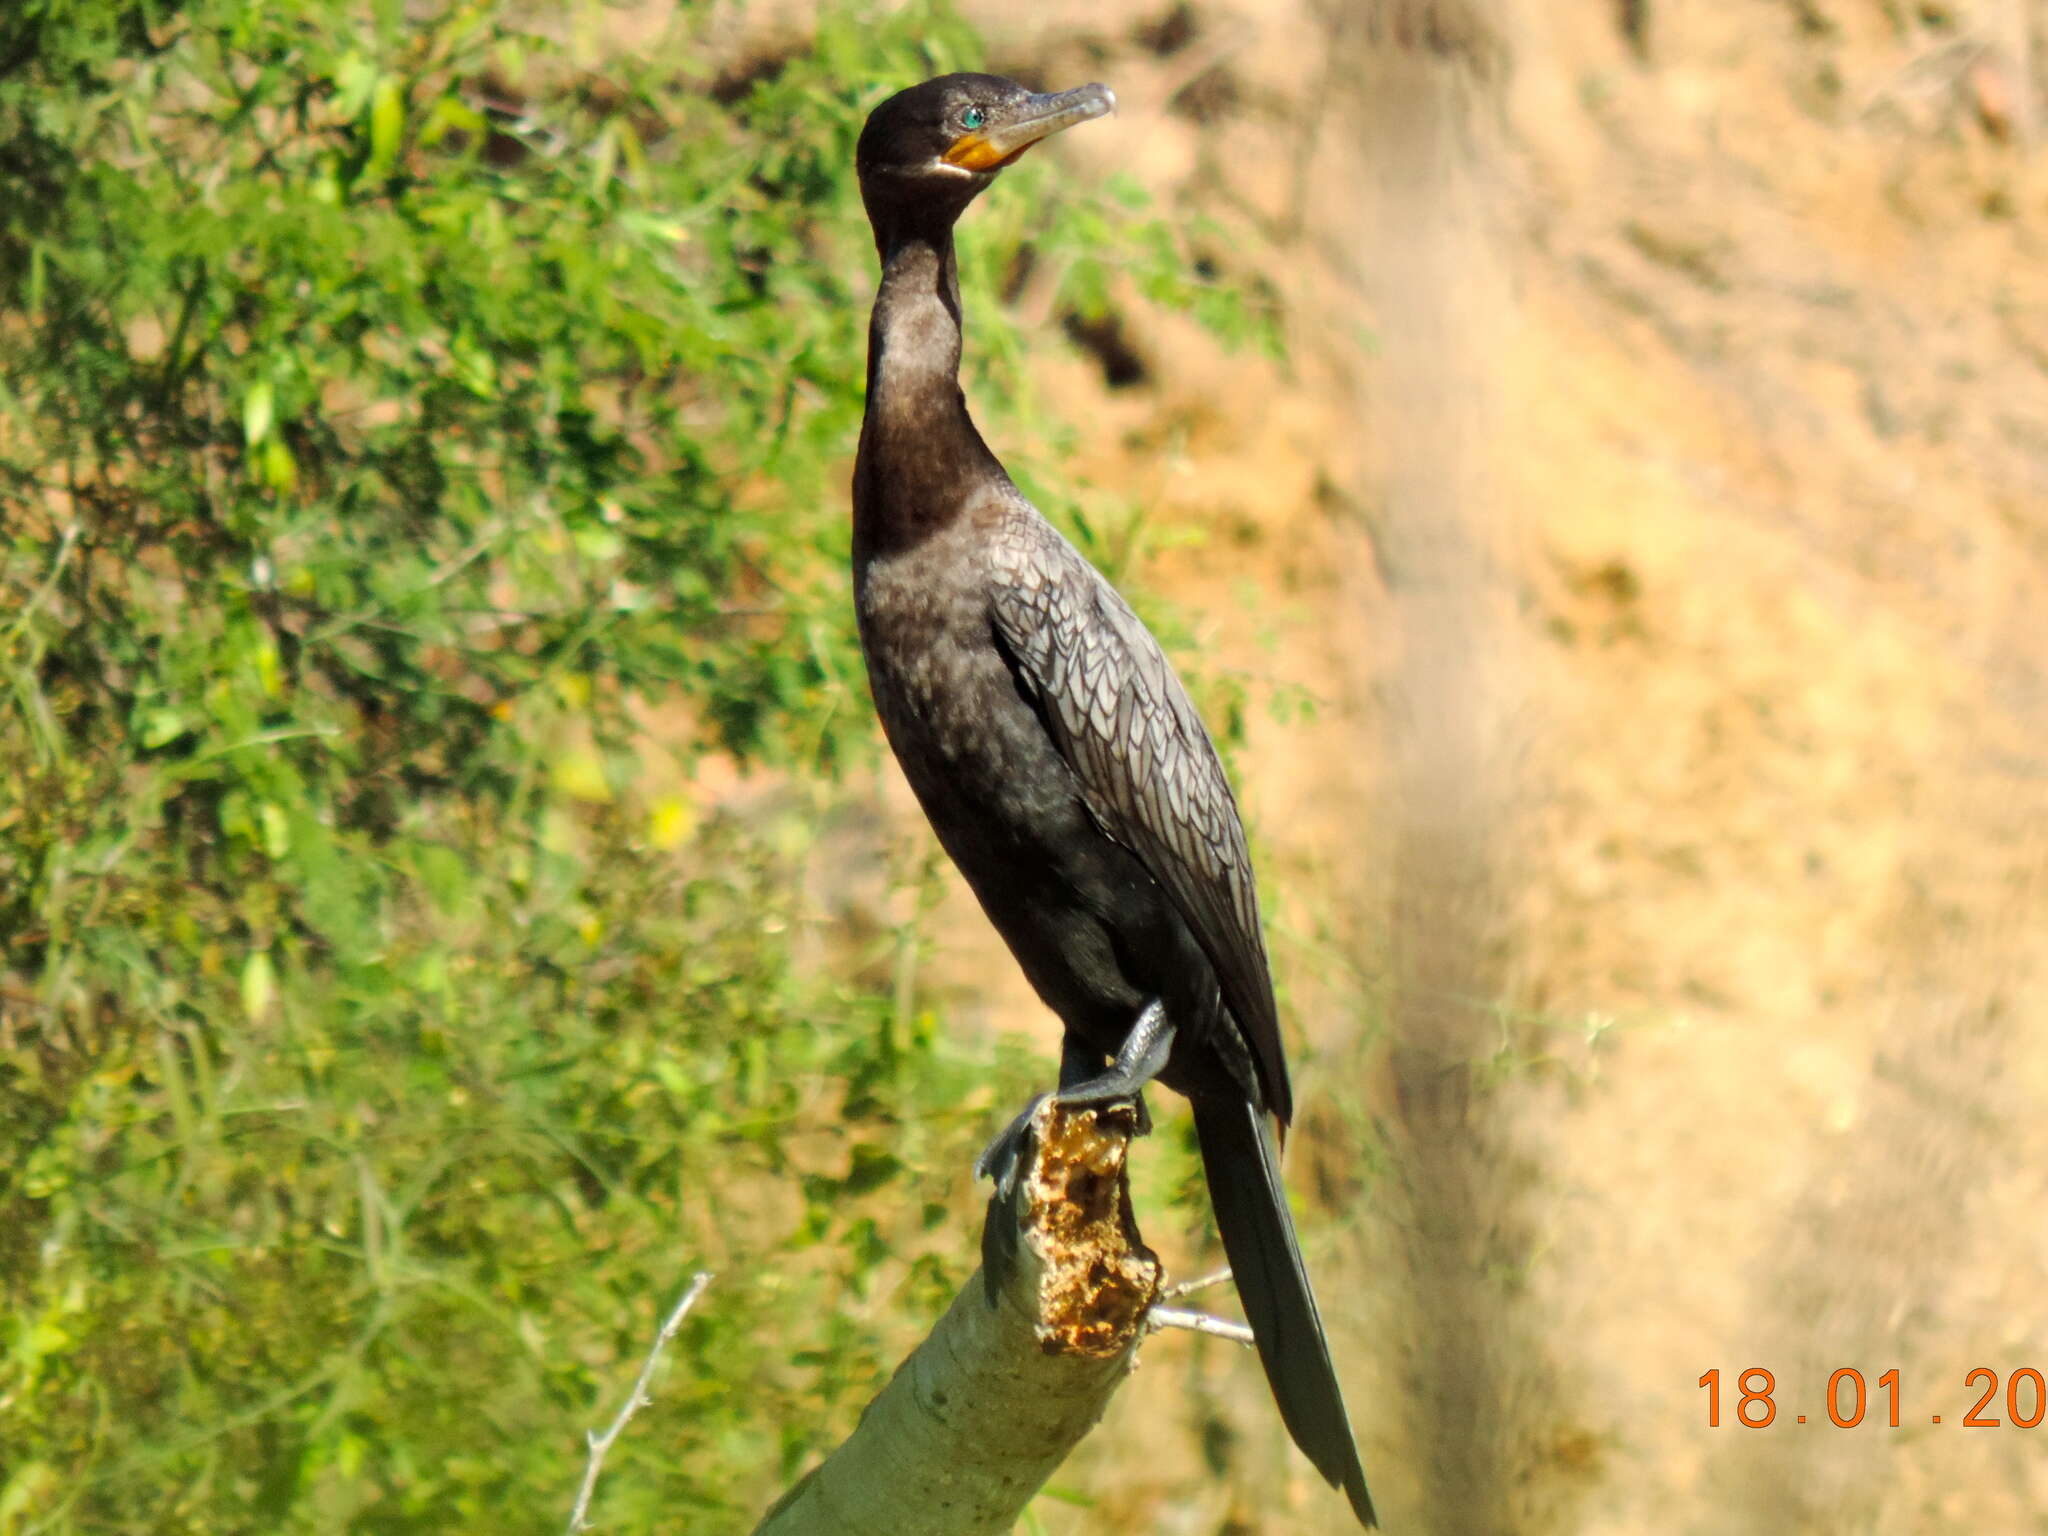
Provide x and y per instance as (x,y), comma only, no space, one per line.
(1004,1157)
(1001,1159)
(1144,1125)
(1142,1058)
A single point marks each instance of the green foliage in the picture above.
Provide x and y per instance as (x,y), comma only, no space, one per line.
(422,445)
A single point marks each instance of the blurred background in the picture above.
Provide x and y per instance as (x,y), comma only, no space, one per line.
(1591,463)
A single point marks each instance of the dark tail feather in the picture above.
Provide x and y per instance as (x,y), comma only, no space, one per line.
(1258,1239)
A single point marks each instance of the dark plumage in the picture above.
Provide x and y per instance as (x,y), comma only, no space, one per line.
(1051,745)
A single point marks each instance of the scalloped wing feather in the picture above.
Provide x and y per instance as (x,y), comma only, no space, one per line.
(1149,772)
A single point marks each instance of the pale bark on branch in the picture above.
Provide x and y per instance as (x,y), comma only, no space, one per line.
(601,1444)
(1020,1367)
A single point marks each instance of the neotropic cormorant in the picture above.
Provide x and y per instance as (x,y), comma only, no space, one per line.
(1054,750)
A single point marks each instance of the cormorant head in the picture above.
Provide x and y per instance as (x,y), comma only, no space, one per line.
(926,152)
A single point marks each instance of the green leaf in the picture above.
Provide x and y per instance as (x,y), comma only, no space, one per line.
(277,840)
(387,129)
(258,411)
(280,469)
(162,726)
(259,986)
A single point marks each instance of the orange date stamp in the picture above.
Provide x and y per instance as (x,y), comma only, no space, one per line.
(2018,1398)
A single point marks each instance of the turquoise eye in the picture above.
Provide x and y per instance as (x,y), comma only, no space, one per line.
(972,118)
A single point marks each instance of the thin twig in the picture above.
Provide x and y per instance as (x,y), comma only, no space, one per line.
(601,1444)
(1927,73)
(1202,1283)
(1198,1322)
(49,583)
(1204,60)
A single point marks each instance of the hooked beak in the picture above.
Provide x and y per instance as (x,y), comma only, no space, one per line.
(992,148)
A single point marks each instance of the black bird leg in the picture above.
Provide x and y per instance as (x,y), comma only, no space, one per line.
(1141,1058)
(1083,1083)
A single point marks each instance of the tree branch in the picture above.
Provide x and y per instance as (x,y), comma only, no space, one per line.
(1199,1322)
(1020,1367)
(601,1444)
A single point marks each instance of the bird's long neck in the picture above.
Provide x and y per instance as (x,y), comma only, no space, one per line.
(921,459)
